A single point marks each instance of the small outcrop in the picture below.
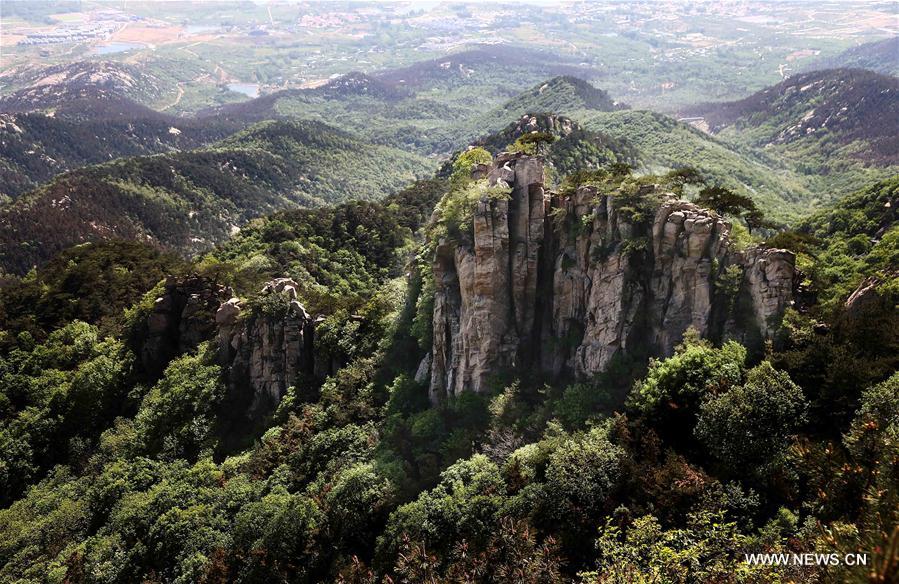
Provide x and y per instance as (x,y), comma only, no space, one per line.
(265,350)
(869,298)
(182,317)
(566,284)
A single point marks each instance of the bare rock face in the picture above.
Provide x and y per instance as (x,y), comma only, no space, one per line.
(486,299)
(768,280)
(267,351)
(182,318)
(564,285)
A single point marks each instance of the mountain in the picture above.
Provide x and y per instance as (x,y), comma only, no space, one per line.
(573,148)
(435,106)
(831,109)
(363,105)
(830,127)
(37,89)
(563,94)
(328,397)
(879,56)
(188,201)
(35,146)
(565,289)
(486,64)
(85,113)
(344,87)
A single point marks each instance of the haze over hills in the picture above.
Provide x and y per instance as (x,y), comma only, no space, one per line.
(191,200)
(46,88)
(485,65)
(397,117)
(879,56)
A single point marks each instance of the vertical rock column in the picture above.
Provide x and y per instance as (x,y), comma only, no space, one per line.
(566,292)
(484,305)
(768,279)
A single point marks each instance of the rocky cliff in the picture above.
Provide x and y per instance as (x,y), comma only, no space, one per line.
(263,349)
(268,350)
(567,283)
(181,318)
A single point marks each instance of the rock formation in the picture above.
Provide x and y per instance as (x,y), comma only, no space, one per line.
(270,349)
(565,284)
(181,318)
(262,351)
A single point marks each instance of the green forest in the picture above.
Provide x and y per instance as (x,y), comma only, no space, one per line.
(670,471)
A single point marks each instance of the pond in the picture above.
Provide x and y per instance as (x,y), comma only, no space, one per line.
(248,89)
(117,47)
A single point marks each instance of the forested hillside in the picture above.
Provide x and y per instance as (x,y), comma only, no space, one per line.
(117,470)
(448,292)
(878,56)
(34,147)
(831,127)
(427,120)
(46,88)
(189,201)
(664,143)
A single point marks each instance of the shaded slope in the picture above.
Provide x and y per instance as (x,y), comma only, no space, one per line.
(481,61)
(35,146)
(879,56)
(824,109)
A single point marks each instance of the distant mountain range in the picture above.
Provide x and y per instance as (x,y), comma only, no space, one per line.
(70,116)
(792,147)
(482,63)
(36,146)
(839,107)
(37,89)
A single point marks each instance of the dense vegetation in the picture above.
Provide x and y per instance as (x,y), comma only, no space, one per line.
(562,141)
(878,56)
(191,200)
(34,146)
(386,111)
(436,107)
(664,143)
(108,476)
(657,470)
